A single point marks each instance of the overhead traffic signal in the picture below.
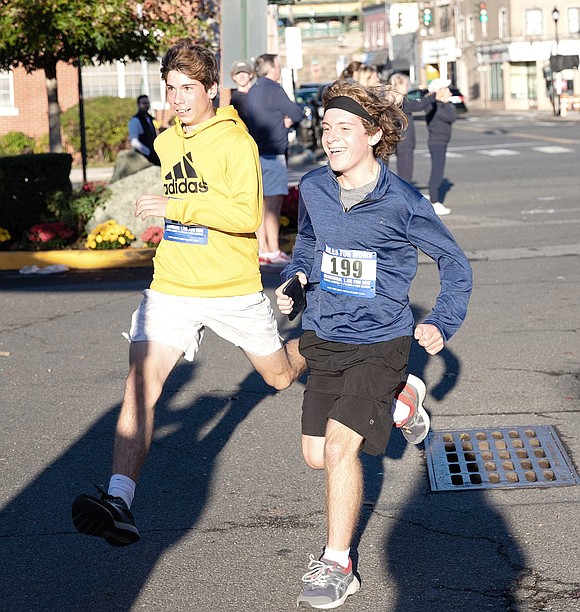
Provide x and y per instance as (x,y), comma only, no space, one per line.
(483,16)
(427,15)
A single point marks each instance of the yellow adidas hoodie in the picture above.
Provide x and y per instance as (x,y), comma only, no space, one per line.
(213,181)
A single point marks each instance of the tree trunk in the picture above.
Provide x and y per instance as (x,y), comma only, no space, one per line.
(53,107)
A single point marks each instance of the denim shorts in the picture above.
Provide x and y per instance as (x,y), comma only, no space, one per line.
(274,174)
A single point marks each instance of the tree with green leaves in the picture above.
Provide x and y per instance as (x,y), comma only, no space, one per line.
(38,34)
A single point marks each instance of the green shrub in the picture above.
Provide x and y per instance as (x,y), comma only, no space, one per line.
(16,143)
(106,127)
(76,208)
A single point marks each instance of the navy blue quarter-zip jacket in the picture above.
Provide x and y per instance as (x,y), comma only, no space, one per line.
(391,223)
(267,105)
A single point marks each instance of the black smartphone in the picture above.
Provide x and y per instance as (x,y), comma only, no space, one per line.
(296,291)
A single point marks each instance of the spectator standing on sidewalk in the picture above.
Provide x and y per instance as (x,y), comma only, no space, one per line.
(406,148)
(142,131)
(358,324)
(368,76)
(242,74)
(271,113)
(206,274)
(352,71)
(439,119)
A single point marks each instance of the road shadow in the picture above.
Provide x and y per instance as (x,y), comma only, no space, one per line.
(374,468)
(106,280)
(444,189)
(452,551)
(51,567)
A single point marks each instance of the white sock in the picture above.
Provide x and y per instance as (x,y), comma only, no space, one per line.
(400,411)
(338,556)
(122,486)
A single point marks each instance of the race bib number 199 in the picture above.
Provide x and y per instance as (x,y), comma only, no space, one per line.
(349,272)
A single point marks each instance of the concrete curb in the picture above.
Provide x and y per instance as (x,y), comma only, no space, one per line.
(78,259)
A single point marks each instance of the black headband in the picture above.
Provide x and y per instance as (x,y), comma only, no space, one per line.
(351,106)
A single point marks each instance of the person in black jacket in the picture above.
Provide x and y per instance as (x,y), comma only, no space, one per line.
(242,74)
(406,148)
(439,119)
(142,131)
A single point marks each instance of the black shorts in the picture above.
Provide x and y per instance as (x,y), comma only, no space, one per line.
(353,384)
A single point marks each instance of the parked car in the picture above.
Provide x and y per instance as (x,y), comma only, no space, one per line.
(457,99)
(307,129)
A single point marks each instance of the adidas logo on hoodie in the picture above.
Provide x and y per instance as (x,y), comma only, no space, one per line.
(183,179)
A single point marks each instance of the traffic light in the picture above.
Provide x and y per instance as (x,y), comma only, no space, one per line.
(427,15)
(483,16)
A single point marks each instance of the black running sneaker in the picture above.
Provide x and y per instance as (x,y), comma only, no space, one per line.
(108,518)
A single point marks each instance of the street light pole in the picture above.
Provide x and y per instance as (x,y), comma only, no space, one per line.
(556,95)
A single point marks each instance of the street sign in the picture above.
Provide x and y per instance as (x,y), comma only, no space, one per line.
(293,38)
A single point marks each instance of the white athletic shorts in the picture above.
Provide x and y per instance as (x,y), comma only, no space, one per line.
(246,321)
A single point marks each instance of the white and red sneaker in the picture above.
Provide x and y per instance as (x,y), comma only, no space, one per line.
(412,393)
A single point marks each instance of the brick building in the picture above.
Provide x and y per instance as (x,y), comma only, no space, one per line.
(24,102)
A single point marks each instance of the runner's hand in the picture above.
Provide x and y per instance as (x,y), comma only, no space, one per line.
(429,337)
(285,302)
(150,205)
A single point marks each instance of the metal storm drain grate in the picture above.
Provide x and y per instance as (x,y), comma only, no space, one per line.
(530,456)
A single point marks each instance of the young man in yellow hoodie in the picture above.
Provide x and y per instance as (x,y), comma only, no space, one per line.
(206,274)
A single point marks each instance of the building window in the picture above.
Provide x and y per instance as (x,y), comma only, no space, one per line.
(534,22)
(460,30)
(444,18)
(7,94)
(574,20)
(503,23)
(496,80)
(381,36)
(101,80)
(470,26)
(123,80)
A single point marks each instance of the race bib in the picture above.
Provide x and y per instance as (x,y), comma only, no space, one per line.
(187,234)
(349,272)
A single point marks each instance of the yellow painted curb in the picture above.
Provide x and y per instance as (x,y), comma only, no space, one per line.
(78,259)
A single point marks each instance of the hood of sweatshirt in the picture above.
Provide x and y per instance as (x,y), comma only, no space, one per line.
(224,114)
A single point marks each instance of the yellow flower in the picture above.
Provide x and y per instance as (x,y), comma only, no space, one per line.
(110,235)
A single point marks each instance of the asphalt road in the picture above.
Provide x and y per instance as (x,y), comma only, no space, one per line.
(227,511)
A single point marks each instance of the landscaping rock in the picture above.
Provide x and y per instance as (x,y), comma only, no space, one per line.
(128,163)
(121,204)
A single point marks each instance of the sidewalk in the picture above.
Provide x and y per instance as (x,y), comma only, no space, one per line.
(93,174)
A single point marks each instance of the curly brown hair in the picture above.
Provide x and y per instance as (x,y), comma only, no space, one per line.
(381,105)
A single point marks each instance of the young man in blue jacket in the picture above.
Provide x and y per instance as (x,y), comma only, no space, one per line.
(360,227)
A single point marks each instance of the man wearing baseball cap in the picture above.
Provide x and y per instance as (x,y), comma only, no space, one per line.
(242,74)
(439,119)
